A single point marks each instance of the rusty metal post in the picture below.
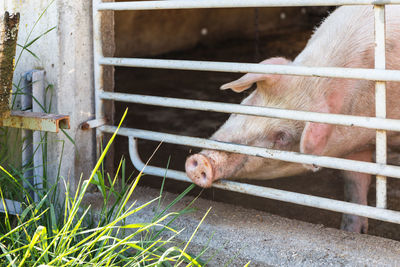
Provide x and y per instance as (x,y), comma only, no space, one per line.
(8,42)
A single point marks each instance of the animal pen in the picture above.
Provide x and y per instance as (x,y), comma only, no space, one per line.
(380,123)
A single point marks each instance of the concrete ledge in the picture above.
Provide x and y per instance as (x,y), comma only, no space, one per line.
(244,235)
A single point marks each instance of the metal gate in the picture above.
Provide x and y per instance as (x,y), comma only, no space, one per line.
(379,123)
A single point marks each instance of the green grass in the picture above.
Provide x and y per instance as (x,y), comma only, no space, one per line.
(71,234)
(11,141)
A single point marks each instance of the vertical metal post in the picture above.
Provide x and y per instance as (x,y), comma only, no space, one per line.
(380,102)
(98,71)
(27,138)
(39,158)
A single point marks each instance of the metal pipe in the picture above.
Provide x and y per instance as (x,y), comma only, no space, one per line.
(322,161)
(380,103)
(98,71)
(186,4)
(271,193)
(91,124)
(27,135)
(333,72)
(346,120)
(141,166)
(38,90)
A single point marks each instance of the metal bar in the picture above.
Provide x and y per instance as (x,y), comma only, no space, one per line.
(88,125)
(36,121)
(346,120)
(13,207)
(186,4)
(271,193)
(141,166)
(26,158)
(322,161)
(98,71)
(26,135)
(333,72)
(380,103)
(39,157)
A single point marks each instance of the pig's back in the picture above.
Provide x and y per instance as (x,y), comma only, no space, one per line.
(346,39)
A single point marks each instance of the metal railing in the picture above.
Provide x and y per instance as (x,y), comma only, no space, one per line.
(380,123)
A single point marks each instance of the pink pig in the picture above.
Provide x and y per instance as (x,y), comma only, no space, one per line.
(344,39)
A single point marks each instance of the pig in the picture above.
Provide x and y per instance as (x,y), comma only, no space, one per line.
(344,39)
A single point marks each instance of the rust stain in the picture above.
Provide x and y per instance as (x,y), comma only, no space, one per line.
(85,126)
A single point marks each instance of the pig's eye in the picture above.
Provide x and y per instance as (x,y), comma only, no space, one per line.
(282,139)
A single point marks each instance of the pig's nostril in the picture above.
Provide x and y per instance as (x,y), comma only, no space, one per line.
(199,170)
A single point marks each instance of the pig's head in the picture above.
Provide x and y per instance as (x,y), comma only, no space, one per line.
(273,91)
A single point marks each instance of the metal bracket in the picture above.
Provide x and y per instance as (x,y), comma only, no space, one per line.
(36,121)
(20,119)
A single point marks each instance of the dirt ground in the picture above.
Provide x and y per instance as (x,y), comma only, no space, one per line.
(204,86)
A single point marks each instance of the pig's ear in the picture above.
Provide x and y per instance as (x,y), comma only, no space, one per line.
(246,81)
(315,136)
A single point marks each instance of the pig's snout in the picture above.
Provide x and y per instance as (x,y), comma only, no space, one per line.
(199,169)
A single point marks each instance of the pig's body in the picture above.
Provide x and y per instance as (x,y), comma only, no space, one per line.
(344,39)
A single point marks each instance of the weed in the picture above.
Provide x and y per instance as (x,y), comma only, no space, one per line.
(71,235)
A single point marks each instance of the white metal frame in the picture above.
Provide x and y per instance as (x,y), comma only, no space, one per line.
(380,123)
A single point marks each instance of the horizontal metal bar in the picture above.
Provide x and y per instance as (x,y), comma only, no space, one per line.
(346,120)
(333,72)
(91,124)
(186,4)
(36,121)
(13,207)
(271,193)
(322,161)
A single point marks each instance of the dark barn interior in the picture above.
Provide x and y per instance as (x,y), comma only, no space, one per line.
(235,35)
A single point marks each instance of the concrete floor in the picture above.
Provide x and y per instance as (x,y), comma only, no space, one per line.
(235,236)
